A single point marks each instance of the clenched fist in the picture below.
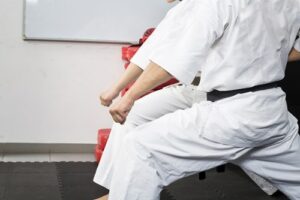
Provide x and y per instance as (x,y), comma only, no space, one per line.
(120,110)
(107,97)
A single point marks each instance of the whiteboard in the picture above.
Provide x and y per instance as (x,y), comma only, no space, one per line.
(117,21)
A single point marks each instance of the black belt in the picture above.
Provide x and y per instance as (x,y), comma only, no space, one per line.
(216,95)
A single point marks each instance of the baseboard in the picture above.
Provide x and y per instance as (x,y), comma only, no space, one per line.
(45,148)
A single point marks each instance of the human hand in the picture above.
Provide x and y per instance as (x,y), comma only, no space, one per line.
(107,97)
(120,110)
(170,1)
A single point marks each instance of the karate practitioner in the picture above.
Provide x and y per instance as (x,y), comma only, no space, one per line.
(175,132)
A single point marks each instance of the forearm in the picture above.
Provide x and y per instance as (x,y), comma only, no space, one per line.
(153,76)
(294,55)
(130,75)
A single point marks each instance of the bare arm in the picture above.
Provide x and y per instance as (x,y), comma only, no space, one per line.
(294,55)
(153,76)
(130,75)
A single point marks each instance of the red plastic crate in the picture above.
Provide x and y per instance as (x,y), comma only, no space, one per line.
(124,53)
(147,34)
(98,153)
(128,52)
(103,135)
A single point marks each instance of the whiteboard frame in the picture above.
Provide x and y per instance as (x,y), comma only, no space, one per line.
(62,39)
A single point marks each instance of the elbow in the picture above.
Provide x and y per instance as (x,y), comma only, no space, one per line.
(294,55)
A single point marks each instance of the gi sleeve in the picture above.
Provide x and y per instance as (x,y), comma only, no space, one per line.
(141,57)
(189,36)
(297,43)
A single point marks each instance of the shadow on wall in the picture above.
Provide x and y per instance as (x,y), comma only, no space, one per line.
(291,85)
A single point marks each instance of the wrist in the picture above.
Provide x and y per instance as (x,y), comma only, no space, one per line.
(130,96)
(116,90)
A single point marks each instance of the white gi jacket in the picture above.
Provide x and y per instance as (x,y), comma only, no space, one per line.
(235,44)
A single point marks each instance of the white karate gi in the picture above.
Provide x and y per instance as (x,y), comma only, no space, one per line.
(238,44)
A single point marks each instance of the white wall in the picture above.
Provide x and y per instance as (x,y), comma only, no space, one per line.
(49,90)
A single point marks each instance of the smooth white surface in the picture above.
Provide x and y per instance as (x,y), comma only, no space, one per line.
(49,90)
(92,20)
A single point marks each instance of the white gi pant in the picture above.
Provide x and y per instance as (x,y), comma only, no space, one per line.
(160,143)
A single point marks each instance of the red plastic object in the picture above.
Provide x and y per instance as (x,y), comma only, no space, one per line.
(126,65)
(146,35)
(124,53)
(148,32)
(128,52)
(103,135)
(98,153)
(131,51)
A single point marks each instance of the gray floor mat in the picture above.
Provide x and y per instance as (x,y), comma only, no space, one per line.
(73,181)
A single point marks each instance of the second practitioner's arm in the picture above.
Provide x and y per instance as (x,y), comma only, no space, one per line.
(151,77)
(130,75)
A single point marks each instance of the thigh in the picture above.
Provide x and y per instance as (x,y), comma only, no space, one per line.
(174,146)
